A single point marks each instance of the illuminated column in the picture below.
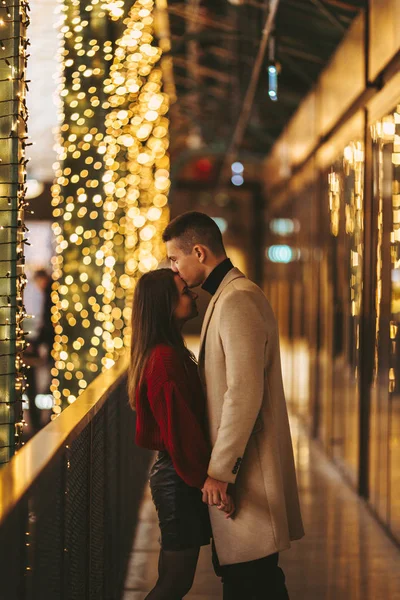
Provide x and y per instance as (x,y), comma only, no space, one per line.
(110,196)
(78,199)
(13,140)
(137,180)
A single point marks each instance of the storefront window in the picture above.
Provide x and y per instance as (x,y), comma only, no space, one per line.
(346,266)
(385,396)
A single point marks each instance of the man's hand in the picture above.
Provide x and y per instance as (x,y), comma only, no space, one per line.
(214,492)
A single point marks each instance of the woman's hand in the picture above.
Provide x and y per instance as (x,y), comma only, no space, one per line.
(214,492)
(228,508)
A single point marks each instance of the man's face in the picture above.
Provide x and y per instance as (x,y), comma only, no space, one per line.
(41,282)
(188,266)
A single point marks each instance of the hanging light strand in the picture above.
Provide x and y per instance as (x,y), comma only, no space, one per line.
(85,53)
(136,181)
(14,44)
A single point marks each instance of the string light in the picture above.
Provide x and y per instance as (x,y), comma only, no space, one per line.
(110,195)
(77,198)
(13,119)
(136,182)
(115,8)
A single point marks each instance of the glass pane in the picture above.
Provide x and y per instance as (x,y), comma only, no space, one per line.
(385,393)
(394,366)
(347,218)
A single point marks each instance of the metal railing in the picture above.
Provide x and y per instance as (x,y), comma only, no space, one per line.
(69,500)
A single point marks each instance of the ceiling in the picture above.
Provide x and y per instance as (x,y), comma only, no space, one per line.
(214,48)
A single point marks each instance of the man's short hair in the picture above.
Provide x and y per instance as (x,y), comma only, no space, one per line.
(193,228)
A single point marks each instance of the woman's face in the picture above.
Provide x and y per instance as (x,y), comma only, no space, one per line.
(186,308)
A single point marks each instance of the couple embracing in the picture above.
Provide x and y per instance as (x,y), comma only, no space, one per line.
(225,467)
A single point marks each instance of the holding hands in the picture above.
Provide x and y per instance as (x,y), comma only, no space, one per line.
(215,494)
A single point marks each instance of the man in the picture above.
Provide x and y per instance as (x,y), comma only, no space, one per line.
(32,355)
(45,335)
(239,364)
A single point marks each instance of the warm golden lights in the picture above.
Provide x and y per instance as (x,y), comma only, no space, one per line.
(110,195)
(353,162)
(334,201)
(13,141)
(386,137)
(136,182)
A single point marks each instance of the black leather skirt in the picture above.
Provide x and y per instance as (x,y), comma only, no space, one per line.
(182,515)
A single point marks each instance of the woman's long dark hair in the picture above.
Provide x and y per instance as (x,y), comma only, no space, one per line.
(155,299)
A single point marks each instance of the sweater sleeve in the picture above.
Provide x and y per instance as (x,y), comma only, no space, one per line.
(182,434)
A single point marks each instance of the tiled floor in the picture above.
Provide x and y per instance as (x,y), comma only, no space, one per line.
(344,556)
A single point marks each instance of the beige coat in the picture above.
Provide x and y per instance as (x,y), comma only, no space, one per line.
(239,364)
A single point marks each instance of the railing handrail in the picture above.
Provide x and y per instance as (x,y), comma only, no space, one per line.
(29,462)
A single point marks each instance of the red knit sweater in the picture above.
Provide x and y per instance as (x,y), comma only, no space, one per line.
(170,408)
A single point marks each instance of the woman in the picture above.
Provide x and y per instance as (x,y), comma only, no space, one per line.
(165,390)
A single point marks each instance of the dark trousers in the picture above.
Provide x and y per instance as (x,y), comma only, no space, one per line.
(260,579)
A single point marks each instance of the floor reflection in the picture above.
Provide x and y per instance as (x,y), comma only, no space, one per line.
(345,554)
(339,425)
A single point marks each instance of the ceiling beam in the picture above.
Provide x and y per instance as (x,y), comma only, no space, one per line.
(344,5)
(329,14)
(192,52)
(298,72)
(307,56)
(217,91)
(204,71)
(199,20)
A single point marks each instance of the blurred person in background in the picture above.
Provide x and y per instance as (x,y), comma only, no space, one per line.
(45,336)
(38,353)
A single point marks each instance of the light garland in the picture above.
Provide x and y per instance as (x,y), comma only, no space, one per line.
(107,233)
(77,198)
(115,8)
(14,21)
(137,177)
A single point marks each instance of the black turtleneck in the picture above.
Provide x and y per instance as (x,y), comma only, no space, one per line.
(216,276)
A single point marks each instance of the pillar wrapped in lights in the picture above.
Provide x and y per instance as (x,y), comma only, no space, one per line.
(137,177)
(109,223)
(13,141)
(78,198)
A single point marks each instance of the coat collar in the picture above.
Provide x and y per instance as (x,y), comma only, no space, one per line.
(216,276)
(229,277)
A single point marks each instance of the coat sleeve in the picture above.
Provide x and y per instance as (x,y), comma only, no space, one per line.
(182,434)
(243,334)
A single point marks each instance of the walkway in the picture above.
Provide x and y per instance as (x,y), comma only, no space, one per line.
(344,556)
